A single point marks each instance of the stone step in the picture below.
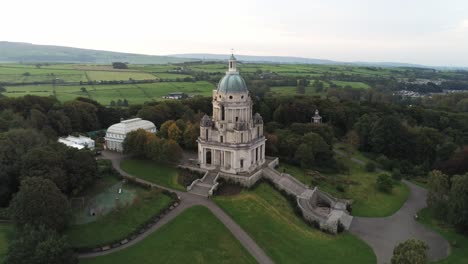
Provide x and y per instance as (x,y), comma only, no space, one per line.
(210,178)
(200,190)
(205,185)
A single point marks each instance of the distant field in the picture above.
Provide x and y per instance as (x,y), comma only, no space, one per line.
(118,75)
(170,76)
(62,74)
(292,90)
(104,94)
(356,85)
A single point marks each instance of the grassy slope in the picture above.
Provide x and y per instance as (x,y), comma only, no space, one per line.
(268,217)
(459,254)
(367,200)
(151,171)
(6,235)
(118,224)
(195,236)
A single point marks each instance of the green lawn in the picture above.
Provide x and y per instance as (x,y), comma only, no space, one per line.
(268,217)
(195,236)
(292,90)
(360,187)
(151,171)
(458,254)
(119,223)
(356,85)
(104,94)
(6,235)
(121,75)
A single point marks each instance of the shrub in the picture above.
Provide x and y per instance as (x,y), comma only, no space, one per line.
(385,162)
(5,214)
(370,166)
(340,188)
(411,251)
(384,183)
(396,174)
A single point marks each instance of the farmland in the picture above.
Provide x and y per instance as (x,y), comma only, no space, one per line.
(145,83)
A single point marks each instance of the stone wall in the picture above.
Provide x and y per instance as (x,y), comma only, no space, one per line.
(243,180)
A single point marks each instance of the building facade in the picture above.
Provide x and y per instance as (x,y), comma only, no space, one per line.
(117,133)
(232,139)
(77,142)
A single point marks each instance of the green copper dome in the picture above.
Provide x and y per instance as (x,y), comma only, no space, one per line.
(232,83)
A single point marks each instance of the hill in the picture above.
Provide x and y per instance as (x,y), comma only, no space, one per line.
(31,53)
(290,60)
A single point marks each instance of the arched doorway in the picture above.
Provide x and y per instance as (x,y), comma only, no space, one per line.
(208,157)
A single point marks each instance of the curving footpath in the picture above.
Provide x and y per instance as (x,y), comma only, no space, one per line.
(384,233)
(187,200)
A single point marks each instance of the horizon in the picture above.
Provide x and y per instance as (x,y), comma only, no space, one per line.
(427,33)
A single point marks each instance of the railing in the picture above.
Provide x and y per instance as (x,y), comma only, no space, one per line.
(215,186)
(204,177)
(190,187)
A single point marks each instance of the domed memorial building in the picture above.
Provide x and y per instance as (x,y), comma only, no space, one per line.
(232,139)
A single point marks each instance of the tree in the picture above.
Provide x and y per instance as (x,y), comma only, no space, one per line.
(60,122)
(391,138)
(81,168)
(40,202)
(83,115)
(174,133)
(384,183)
(136,142)
(437,196)
(14,144)
(458,202)
(154,150)
(47,163)
(164,129)
(172,151)
(305,155)
(411,251)
(119,65)
(39,245)
(191,134)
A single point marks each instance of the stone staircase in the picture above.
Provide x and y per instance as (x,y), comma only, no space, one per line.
(327,217)
(203,186)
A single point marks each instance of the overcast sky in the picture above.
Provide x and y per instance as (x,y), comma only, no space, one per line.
(431,32)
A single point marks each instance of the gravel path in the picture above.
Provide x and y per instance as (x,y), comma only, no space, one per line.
(187,200)
(384,233)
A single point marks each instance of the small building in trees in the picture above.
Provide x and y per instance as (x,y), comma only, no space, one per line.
(317,119)
(117,133)
(79,142)
(176,96)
